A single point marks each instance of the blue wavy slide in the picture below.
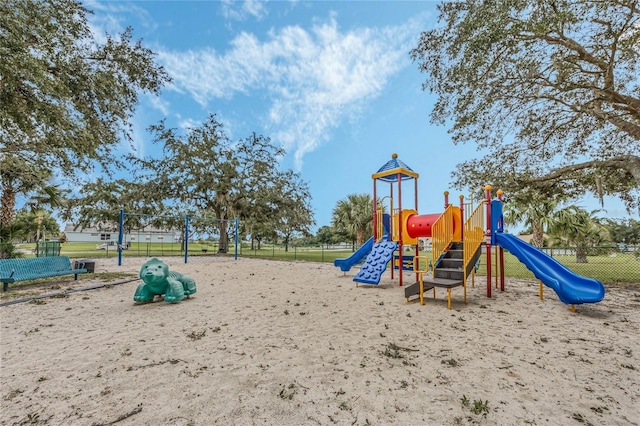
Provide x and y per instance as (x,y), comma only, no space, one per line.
(357,257)
(376,263)
(570,287)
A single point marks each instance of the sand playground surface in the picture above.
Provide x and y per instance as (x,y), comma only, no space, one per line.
(293,343)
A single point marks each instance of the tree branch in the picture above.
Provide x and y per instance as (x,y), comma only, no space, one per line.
(630,163)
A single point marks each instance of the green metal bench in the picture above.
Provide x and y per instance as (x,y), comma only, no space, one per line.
(12,270)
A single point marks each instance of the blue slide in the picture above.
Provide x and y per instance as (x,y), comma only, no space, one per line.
(376,263)
(362,252)
(570,287)
(355,258)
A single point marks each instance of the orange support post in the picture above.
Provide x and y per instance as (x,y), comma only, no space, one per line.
(375,214)
(501,269)
(487,194)
(462,218)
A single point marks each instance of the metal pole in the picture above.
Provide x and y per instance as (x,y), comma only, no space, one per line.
(236,251)
(417,247)
(400,234)
(462,218)
(375,214)
(120,232)
(186,238)
(501,252)
(487,190)
(391,225)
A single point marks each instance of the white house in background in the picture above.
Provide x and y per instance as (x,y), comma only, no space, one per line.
(148,234)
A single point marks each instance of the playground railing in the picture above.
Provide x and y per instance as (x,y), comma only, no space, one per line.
(442,234)
(473,235)
(379,224)
(469,209)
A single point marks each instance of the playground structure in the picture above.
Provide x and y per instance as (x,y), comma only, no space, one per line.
(457,238)
(131,223)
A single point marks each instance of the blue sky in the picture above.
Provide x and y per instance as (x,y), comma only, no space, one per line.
(331,81)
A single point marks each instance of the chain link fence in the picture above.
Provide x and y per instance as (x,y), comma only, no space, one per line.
(617,264)
(607,264)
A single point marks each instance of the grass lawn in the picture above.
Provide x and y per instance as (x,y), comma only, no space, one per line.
(623,267)
(618,268)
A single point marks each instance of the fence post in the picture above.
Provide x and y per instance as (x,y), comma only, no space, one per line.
(186,238)
(236,249)
(120,234)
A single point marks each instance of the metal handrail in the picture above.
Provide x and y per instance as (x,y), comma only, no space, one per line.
(379,225)
(442,234)
(473,236)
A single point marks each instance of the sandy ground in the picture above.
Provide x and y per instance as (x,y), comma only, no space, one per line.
(293,343)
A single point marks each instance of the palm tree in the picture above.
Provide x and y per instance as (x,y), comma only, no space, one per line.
(534,210)
(17,226)
(354,216)
(576,227)
(36,224)
(8,235)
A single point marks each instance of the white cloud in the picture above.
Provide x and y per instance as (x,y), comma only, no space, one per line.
(139,138)
(255,8)
(241,10)
(158,103)
(186,123)
(316,78)
(113,18)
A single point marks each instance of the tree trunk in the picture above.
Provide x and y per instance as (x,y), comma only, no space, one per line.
(581,255)
(223,245)
(537,237)
(7,204)
(7,207)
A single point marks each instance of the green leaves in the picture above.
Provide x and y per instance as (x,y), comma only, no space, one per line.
(65,99)
(354,216)
(539,86)
(204,172)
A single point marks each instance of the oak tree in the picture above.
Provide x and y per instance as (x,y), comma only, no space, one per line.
(66,97)
(203,171)
(548,90)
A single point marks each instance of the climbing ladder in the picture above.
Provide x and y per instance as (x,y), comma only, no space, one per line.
(376,263)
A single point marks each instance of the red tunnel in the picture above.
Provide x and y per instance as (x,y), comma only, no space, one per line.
(420,225)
